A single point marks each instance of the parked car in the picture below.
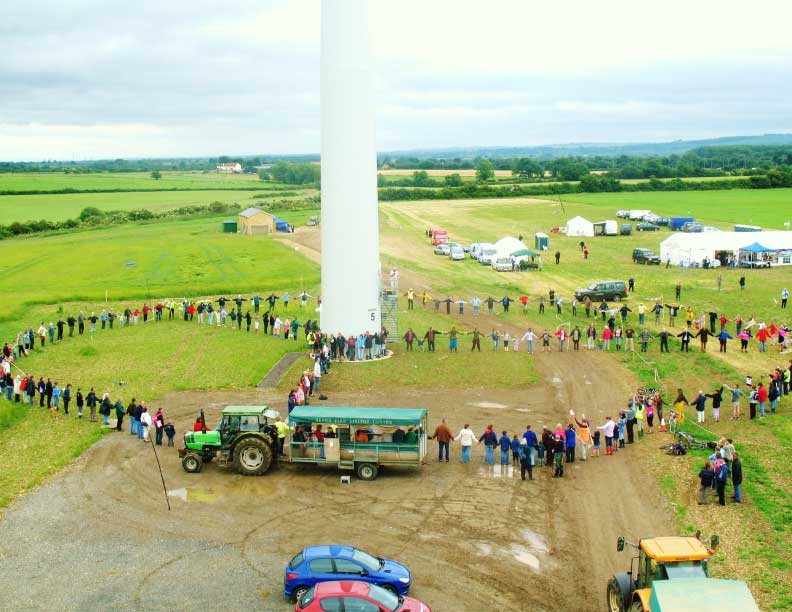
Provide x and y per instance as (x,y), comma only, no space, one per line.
(474,249)
(651,218)
(457,253)
(315,564)
(623,214)
(693,227)
(610,290)
(663,222)
(442,249)
(355,596)
(645,226)
(645,256)
(488,253)
(502,264)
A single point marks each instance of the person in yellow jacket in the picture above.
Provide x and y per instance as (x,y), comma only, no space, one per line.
(679,405)
(283,429)
(410,299)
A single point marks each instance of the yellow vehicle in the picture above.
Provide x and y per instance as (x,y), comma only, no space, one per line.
(670,574)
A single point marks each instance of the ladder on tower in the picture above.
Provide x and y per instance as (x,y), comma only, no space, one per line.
(389,309)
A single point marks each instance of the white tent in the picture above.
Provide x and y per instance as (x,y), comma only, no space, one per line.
(508,245)
(578,226)
(689,248)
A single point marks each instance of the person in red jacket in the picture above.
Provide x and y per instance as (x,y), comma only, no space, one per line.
(761,397)
(198,425)
(763,335)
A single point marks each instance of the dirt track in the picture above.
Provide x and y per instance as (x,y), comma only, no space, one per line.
(99,537)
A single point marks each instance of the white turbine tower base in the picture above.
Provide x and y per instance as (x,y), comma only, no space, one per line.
(350,221)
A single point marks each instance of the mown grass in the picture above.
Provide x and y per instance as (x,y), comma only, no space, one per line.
(53,181)
(173,259)
(767,208)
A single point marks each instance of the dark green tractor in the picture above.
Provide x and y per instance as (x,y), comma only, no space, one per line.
(245,438)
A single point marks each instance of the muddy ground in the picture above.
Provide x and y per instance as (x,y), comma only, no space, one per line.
(99,535)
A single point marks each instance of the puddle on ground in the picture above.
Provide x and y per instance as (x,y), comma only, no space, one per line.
(488,405)
(497,471)
(535,541)
(555,380)
(523,410)
(484,548)
(528,559)
(209,495)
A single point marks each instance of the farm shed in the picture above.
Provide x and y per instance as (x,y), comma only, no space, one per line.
(256,221)
(578,226)
(692,248)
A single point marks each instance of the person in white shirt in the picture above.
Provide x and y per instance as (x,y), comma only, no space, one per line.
(607,429)
(529,337)
(145,423)
(317,372)
(277,328)
(466,438)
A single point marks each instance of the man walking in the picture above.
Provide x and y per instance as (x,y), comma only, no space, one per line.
(443,435)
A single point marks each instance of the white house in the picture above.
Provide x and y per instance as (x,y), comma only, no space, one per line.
(578,226)
(229,168)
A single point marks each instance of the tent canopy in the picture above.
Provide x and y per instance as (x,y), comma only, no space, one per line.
(578,226)
(508,245)
(756,248)
(357,416)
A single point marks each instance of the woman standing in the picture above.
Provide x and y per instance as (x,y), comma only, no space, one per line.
(717,398)
(706,477)
(679,405)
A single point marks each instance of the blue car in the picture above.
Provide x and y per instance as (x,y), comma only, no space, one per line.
(323,563)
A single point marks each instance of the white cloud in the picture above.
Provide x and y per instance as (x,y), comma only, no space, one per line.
(188,77)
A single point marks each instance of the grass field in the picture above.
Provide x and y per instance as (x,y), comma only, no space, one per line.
(176,258)
(53,181)
(68,206)
(193,258)
(767,208)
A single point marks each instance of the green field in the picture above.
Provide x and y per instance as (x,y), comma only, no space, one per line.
(175,258)
(68,206)
(767,208)
(39,275)
(54,181)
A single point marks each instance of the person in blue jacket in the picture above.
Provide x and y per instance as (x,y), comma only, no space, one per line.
(505,446)
(515,448)
(490,440)
(527,460)
(530,437)
(569,443)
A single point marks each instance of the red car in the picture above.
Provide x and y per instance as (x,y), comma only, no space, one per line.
(355,596)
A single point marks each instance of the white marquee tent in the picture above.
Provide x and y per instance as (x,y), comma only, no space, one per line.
(687,248)
(578,226)
(508,245)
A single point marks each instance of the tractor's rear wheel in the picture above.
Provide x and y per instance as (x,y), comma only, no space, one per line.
(192,463)
(615,597)
(252,457)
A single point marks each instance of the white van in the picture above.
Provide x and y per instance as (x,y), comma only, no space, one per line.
(474,250)
(502,264)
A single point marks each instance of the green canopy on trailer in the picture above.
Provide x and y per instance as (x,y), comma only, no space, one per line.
(701,595)
(332,415)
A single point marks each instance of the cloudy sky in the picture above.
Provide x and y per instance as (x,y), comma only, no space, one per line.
(103,78)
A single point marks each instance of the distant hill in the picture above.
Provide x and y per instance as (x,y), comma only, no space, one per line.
(648,149)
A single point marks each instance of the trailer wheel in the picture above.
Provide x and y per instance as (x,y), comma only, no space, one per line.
(192,463)
(366,471)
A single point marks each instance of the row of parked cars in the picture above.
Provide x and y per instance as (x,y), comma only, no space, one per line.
(484,253)
(345,579)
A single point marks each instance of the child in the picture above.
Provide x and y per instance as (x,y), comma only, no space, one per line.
(558,457)
(170,431)
(541,455)
(515,342)
(506,339)
(256,325)
(515,448)
(752,401)
(622,427)
(596,443)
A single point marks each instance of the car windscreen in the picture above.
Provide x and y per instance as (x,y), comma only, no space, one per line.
(489,251)
(386,599)
(593,286)
(368,561)
(684,570)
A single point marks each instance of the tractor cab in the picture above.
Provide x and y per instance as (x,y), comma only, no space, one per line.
(658,559)
(238,419)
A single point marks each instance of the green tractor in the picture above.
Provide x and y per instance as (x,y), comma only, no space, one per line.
(245,437)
